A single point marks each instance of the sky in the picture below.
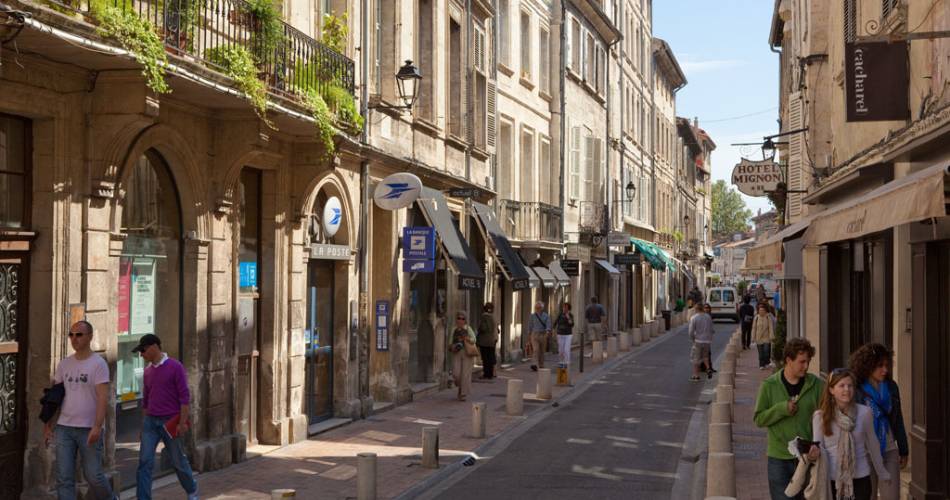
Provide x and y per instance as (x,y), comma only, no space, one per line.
(723,48)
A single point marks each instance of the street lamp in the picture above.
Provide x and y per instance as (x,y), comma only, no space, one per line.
(631,190)
(407,82)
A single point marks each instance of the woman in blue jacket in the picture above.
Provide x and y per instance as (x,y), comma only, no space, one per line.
(872,364)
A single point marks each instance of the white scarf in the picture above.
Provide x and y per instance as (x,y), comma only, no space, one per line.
(845,480)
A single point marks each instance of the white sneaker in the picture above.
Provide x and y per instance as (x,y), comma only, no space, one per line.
(193,496)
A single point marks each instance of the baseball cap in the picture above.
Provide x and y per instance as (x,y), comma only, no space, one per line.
(147,340)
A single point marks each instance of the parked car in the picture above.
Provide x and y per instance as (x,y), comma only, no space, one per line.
(724,302)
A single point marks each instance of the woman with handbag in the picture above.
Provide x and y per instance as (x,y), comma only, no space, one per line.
(564,326)
(464,353)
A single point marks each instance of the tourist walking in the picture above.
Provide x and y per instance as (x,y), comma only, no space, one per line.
(165,399)
(784,405)
(746,315)
(700,334)
(82,414)
(594,315)
(846,433)
(540,328)
(463,354)
(564,326)
(487,339)
(763,331)
(872,365)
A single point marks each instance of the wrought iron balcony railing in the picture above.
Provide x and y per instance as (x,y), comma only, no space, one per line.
(530,221)
(288,61)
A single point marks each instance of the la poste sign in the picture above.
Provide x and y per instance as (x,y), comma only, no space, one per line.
(754,178)
(397,191)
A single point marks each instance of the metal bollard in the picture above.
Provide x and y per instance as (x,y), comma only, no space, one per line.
(282,493)
(597,351)
(479,419)
(611,347)
(544,383)
(720,413)
(721,475)
(514,405)
(366,476)
(430,447)
(720,438)
(624,341)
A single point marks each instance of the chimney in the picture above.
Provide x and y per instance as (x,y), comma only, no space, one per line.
(696,121)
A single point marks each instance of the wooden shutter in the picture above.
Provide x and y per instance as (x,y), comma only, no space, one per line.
(478,48)
(490,114)
(796,160)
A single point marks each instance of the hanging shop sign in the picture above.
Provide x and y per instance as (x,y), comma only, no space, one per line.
(397,191)
(571,267)
(618,238)
(756,178)
(332,216)
(627,259)
(382,325)
(418,265)
(418,242)
(877,81)
(578,252)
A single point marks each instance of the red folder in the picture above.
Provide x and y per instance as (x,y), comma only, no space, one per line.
(171,426)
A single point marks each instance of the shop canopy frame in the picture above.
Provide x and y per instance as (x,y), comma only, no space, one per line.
(436,211)
(507,257)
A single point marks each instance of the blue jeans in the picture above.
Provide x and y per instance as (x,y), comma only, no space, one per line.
(153,431)
(765,350)
(69,440)
(780,474)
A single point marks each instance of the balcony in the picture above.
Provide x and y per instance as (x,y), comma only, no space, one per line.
(529,222)
(288,61)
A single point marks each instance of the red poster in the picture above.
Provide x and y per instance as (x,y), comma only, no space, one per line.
(125,289)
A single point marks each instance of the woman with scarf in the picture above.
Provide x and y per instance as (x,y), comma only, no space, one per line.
(872,364)
(845,433)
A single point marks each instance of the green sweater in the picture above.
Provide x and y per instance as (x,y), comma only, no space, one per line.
(771,410)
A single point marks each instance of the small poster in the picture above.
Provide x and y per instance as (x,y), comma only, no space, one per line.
(142,307)
(125,294)
(382,325)
(247,274)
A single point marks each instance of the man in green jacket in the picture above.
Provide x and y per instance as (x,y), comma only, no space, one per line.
(785,405)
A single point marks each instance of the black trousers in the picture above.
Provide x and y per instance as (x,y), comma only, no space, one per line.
(488,361)
(746,335)
(862,488)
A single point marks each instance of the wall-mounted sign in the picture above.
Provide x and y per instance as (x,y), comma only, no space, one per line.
(332,216)
(470,283)
(247,274)
(578,252)
(754,178)
(571,267)
(627,259)
(382,325)
(397,191)
(877,81)
(418,265)
(330,252)
(618,238)
(418,242)
(464,192)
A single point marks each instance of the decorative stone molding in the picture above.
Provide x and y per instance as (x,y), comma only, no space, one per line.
(103,189)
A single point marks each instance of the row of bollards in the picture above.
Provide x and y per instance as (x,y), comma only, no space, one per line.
(721,463)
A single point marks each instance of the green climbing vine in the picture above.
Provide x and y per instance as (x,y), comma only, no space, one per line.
(238,64)
(138,37)
(269,33)
(334,32)
(323,120)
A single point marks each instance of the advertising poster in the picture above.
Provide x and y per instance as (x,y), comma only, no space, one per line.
(142,314)
(125,292)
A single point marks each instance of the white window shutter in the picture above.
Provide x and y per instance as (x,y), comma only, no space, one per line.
(796,156)
(491,129)
(479,48)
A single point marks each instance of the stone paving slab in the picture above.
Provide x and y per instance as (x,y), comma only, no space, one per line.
(749,441)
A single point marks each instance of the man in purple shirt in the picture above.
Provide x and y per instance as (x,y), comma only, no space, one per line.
(164,397)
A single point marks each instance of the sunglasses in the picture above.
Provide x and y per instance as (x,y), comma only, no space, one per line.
(839,371)
(75,334)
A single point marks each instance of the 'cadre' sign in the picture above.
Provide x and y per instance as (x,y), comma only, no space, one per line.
(877,81)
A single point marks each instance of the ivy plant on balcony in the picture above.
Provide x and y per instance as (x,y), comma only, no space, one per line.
(238,64)
(323,120)
(136,35)
(267,35)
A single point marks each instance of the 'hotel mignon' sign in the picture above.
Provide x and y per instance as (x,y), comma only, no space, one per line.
(877,81)
(754,178)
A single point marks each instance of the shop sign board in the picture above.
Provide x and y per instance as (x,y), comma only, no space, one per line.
(618,238)
(418,265)
(571,267)
(757,178)
(627,259)
(332,216)
(578,252)
(418,242)
(464,192)
(330,252)
(397,191)
(877,81)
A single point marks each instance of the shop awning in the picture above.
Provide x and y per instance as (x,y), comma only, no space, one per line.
(768,256)
(506,256)
(547,279)
(533,280)
(918,196)
(667,259)
(649,252)
(607,266)
(436,211)
(562,278)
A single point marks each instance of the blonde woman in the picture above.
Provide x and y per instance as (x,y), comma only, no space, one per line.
(762,333)
(845,431)
(463,354)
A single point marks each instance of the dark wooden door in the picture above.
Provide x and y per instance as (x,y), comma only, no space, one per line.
(13,356)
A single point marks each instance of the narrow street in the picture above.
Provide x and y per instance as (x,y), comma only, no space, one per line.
(624,434)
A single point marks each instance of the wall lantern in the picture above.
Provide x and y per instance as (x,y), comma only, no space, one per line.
(407,81)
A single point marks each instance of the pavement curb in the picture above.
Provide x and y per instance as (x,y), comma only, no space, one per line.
(435,484)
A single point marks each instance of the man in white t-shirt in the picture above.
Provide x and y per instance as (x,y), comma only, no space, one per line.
(85,376)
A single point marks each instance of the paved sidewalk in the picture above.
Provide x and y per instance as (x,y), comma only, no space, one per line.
(324,466)
(749,441)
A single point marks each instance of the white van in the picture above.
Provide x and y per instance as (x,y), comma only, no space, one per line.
(724,301)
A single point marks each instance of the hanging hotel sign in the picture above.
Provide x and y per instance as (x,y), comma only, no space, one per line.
(877,81)
(397,191)
(756,178)
(332,216)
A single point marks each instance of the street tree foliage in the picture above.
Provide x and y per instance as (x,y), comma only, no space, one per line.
(729,212)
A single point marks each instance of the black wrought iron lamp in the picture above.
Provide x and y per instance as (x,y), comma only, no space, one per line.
(631,190)
(407,82)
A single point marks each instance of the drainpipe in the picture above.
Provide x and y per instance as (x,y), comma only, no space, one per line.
(366,402)
(612,282)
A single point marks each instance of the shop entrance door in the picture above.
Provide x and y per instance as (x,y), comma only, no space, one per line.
(319,341)
(13,355)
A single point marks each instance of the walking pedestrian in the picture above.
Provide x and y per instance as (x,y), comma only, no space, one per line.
(784,405)
(564,326)
(700,334)
(595,314)
(85,378)
(846,433)
(165,399)
(746,315)
(695,296)
(463,354)
(487,339)
(871,365)
(540,328)
(763,330)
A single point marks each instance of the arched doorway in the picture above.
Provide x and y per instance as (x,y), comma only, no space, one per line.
(149,292)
